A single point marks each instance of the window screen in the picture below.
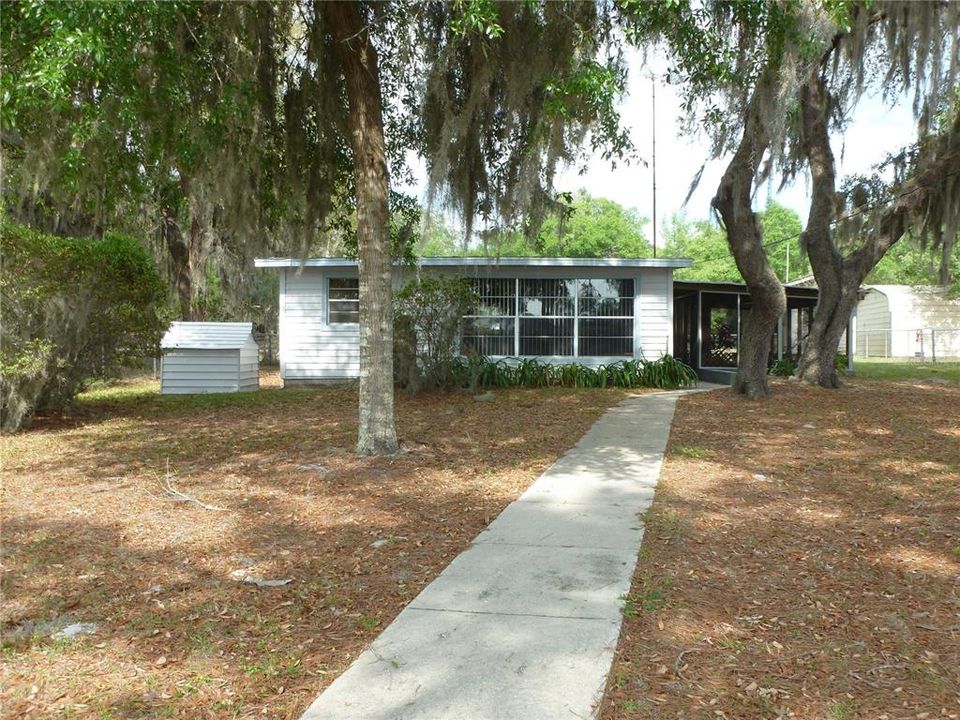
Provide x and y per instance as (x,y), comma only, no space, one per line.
(489,329)
(547,309)
(343,301)
(551,317)
(605,322)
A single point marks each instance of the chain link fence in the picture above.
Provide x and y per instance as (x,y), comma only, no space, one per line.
(924,345)
(269,347)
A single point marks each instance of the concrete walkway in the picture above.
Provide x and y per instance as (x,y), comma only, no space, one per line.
(523,624)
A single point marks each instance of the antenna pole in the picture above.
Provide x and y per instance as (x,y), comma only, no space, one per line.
(653,86)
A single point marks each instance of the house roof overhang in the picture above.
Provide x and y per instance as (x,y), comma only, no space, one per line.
(485,262)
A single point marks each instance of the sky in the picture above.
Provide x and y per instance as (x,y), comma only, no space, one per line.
(876,131)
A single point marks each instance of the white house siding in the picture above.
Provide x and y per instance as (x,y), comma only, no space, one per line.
(313,350)
(653,314)
(208,357)
(249,368)
(310,349)
(199,371)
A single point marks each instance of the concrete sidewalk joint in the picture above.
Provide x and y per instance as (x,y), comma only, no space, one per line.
(524,623)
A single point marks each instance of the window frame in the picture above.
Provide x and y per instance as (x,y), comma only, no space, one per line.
(626,301)
(326,300)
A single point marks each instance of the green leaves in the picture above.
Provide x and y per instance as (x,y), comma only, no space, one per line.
(666,372)
(74,309)
(428,312)
(477,17)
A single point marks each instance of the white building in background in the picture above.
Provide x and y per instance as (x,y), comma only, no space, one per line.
(902,321)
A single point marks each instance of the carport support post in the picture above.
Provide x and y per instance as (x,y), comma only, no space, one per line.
(780,336)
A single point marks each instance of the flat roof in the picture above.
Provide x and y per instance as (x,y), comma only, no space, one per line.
(473,262)
(732,287)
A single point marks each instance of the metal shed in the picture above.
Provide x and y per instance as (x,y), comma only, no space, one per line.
(209,357)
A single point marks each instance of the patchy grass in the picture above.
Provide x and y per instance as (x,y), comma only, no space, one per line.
(912,370)
(805,565)
(91,534)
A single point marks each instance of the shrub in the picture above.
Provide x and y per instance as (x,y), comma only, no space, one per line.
(74,310)
(784,367)
(788,366)
(427,316)
(667,372)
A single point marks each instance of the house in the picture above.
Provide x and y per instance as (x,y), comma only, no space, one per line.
(209,357)
(903,321)
(559,310)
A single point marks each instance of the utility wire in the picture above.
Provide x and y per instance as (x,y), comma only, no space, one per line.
(855,213)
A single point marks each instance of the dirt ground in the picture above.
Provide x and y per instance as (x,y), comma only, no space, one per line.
(94,532)
(801,559)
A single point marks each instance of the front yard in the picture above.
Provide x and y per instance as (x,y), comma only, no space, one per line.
(93,532)
(801,559)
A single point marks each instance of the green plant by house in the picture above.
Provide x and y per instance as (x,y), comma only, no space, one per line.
(428,313)
(666,372)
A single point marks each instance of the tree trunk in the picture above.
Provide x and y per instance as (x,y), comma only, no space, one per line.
(839,277)
(359,63)
(198,309)
(734,203)
(837,298)
(180,258)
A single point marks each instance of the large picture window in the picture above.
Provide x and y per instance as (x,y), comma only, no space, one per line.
(551,317)
(343,301)
(605,318)
(489,329)
(547,312)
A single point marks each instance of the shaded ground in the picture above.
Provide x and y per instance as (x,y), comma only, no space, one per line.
(93,533)
(801,559)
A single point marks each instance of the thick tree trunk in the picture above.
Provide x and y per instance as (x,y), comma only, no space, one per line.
(359,63)
(837,297)
(839,277)
(734,203)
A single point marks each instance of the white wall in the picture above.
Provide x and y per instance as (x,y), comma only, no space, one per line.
(191,371)
(653,313)
(310,349)
(873,325)
(904,322)
(249,366)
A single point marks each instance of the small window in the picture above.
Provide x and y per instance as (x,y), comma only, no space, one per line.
(343,301)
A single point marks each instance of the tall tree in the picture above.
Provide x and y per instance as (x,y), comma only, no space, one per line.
(133,116)
(493,96)
(760,76)
(270,120)
(740,64)
(361,71)
(918,50)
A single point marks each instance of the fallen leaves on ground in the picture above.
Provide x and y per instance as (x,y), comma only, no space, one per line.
(174,524)
(801,559)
